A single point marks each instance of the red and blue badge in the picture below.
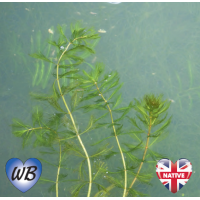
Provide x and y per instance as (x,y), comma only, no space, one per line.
(174,176)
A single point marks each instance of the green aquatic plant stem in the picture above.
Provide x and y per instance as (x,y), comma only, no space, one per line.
(73,122)
(145,151)
(122,155)
(58,172)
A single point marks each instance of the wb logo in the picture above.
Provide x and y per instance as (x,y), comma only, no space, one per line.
(23,176)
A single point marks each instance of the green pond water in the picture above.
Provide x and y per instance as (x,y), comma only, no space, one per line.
(155,47)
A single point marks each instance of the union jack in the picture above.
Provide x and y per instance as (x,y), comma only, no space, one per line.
(174,176)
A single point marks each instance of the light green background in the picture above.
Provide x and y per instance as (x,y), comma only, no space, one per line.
(153,46)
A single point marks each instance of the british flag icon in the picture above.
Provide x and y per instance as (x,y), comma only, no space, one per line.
(174,176)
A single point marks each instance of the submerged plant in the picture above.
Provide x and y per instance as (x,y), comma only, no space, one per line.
(149,110)
(89,105)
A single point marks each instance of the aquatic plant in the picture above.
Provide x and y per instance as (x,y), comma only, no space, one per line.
(89,104)
(43,71)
